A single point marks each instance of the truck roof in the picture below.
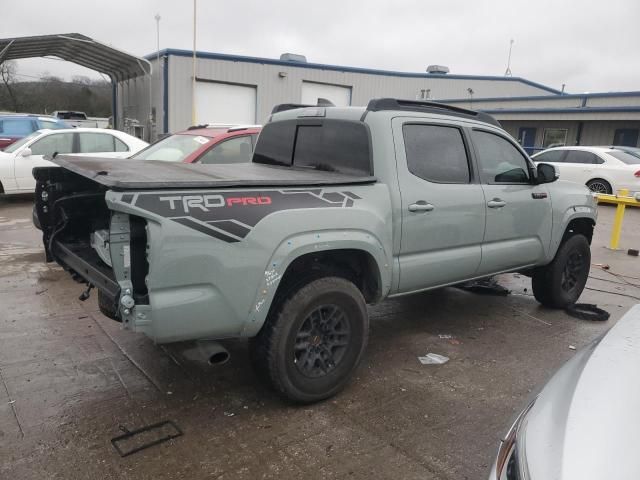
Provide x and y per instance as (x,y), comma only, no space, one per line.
(393,105)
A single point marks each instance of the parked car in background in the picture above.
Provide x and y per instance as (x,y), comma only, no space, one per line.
(205,144)
(13,127)
(80,119)
(584,423)
(19,158)
(602,169)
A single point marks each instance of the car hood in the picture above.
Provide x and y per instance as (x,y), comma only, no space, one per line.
(5,155)
(585,423)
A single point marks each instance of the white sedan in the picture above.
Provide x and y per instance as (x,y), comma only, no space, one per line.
(19,158)
(602,169)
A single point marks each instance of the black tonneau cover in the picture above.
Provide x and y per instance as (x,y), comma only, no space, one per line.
(122,174)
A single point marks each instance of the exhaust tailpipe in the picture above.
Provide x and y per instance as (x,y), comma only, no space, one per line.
(208,351)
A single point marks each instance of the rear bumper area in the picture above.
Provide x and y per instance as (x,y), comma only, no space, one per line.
(81,259)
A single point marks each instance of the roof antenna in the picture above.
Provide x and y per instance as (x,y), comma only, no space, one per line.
(507,72)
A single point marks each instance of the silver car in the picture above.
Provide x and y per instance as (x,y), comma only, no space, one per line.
(585,423)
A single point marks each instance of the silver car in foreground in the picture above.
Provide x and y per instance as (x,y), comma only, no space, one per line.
(585,423)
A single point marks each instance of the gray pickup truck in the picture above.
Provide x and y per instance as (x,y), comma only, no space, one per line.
(340,208)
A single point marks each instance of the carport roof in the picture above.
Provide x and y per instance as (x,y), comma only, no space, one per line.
(78,49)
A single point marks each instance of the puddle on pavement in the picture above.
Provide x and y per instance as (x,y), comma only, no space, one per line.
(16,258)
(11,222)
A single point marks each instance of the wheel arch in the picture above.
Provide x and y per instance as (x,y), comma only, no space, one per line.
(579,226)
(354,255)
(603,179)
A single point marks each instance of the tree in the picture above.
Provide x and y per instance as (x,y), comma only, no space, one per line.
(8,75)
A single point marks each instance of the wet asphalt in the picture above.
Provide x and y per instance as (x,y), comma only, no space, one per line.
(71,380)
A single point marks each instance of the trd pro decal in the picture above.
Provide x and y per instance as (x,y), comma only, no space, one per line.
(231,216)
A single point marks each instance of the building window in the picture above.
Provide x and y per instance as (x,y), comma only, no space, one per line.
(554,137)
(625,137)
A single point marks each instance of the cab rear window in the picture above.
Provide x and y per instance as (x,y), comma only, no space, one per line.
(329,145)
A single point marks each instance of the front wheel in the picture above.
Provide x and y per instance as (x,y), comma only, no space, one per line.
(561,283)
(313,340)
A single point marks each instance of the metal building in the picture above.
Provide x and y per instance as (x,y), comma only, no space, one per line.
(584,119)
(240,89)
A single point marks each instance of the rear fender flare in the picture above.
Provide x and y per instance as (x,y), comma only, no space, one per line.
(312,242)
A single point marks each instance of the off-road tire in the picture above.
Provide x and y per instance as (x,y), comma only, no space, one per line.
(548,281)
(273,351)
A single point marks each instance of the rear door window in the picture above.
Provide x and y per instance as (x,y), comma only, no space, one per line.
(96,142)
(436,153)
(579,156)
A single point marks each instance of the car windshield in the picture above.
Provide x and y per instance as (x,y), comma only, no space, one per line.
(173,149)
(630,157)
(19,143)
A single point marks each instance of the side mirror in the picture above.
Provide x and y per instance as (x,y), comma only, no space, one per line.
(26,152)
(547,173)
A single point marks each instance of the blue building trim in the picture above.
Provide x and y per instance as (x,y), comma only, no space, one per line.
(546,97)
(165,93)
(338,68)
(581,110)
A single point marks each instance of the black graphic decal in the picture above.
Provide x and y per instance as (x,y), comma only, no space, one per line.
(230,216)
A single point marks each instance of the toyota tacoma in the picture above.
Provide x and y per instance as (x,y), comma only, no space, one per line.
(340,208)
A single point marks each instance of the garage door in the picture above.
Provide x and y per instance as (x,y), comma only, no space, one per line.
(339,96)
(224,103)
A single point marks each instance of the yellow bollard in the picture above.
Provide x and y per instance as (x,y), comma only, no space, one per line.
(617,221)
(622,199)
(617,226)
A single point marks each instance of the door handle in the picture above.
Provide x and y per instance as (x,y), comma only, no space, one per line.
(496,203)
(421,206)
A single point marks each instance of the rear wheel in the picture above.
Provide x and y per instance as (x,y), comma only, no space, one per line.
(313,340)
(597,185)
(561,283)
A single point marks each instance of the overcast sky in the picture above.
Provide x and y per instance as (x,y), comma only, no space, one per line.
(590,45)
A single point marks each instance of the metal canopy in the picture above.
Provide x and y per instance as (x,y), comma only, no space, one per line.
(78,49)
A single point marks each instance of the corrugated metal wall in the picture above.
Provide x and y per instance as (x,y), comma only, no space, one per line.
(274,89)
(133,98)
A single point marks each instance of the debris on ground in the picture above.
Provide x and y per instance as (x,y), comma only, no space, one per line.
(633,252)
(40,292)
(587,311)
(444,336)
(433,359)
(572,347)
(128,443)
(228,414)
(486,286)
(603,266)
